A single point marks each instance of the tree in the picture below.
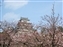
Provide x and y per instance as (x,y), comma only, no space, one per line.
(4,25)
(52,23)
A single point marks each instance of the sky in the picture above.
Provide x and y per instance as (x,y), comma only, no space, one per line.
(12,10)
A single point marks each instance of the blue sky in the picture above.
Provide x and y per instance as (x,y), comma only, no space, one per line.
(12,10)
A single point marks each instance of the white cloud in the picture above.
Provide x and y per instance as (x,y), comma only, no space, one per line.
(15,4)
(11,17)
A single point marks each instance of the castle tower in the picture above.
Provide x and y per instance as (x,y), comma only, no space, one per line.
(24,24)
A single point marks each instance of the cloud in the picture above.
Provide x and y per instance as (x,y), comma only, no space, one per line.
(11,17)
(15,4)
